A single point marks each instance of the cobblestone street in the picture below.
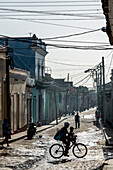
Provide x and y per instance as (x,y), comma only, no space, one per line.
(34,154)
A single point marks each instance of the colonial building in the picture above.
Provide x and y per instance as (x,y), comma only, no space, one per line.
(19,97)
(17,113)
(107,6)
(29,54)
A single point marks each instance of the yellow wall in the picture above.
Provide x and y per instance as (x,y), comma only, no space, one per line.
(18,100)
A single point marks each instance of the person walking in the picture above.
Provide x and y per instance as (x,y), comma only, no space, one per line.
(77,121)
(6,132)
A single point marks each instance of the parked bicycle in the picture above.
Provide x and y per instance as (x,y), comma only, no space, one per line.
(79,150)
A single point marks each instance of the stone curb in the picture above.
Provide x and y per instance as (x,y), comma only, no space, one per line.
(37,131)
(107,138)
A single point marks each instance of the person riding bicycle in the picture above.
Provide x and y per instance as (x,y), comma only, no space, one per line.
(64,138)
(58,150)
(71,135)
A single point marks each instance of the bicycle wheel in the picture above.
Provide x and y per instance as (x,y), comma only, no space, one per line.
(79,150)
(56,151)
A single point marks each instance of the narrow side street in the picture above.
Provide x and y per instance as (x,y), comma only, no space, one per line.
(34,154)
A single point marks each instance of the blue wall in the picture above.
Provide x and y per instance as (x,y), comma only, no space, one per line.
(22,54)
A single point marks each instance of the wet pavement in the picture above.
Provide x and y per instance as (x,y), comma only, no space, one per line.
(34,154)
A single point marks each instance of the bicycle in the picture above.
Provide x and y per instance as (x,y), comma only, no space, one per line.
(79,150)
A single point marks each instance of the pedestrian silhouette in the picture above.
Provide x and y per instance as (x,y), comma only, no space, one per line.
(6,132)
(77,121)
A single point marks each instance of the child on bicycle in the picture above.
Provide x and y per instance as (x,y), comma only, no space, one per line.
(71,135)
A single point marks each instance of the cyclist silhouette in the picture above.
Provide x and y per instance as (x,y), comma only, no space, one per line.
(64,138)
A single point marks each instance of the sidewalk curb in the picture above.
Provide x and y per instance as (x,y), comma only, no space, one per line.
(107,138)
(37,131)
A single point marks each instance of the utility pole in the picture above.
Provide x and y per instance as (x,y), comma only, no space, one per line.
(100,90)
(104,99)
(7,82)
(97,92)
(55,105)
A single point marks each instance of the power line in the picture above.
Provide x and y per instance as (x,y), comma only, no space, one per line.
(73,75)
(80,47)
(21,54)
(71,35)
(18,64)
(25,64)
(36,19)
(109,54)
(64,46)
(32,11)
(68,64)
(54,5)
(87,75)
(80,76)
(68,69)
(62,10)
(47,23)
(83,61)
(90,42)
(82,79)
(63,14)
(47,1)
(39,12)
(29,15)
(86,81)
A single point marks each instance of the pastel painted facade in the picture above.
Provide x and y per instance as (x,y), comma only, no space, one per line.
(18,113)
(29,54)
(18,109)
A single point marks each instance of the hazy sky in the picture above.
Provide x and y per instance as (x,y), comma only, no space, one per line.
(57,19)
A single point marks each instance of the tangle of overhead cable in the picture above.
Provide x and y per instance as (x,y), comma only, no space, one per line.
(89,75)
(62,46)
(78,78)
(83,79)
(86,81)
